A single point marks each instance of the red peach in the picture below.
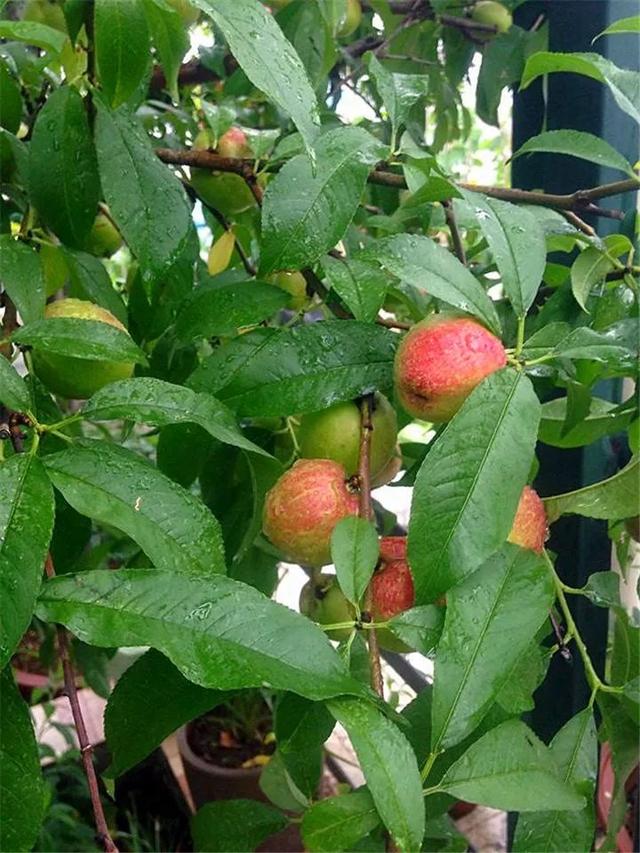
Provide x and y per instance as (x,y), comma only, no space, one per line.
(304,506)
(234,143)
(529,529)
(439,363)
(393,548)
(392,590)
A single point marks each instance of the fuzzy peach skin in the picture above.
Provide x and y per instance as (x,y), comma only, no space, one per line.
(234,143)
(440,361)
(529,528)
(392,590)
(393,548)
(304,506)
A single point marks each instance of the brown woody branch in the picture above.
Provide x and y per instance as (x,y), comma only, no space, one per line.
(365,510)
(86,750)
(456,239)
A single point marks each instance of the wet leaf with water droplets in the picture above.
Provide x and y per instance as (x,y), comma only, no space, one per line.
(117,487)
(63,171)
(26,523)
(490,620)
(156,402)
(22,278)
(306,212)
(255,40)
(422,263)
(122,47)
(302,369)
(21,783)
(146,199)
(458,521)
(219,632)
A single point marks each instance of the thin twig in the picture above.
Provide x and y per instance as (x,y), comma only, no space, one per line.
(559,635)
(458,245)
(390,323)
(86,750)
(578,223)
(365,510)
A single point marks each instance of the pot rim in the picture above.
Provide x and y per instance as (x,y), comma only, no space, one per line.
(207,766)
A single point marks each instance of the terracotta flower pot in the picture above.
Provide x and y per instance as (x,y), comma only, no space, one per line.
(208,781)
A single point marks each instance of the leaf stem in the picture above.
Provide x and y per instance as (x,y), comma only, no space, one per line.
(426,768)
(520,337)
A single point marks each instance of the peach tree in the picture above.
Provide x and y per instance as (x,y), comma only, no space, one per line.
(222,302)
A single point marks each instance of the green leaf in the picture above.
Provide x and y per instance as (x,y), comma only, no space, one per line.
(215,310)
(88,339)
(122,47)
(588,269)
(509,768)
(150,701)
(146,200)
(516,694)
(279,788)
(389,766)
(361,286)
(308,208)
(517,243)
(301,728)
(31,32)
(624,25)
(14,394)
(21,786)
(624,84)
(90,280)
(254,39)
(502,63)
(156,402)
(231,825)
(575,751)
(599,346)
(26,523)
(354,551)
(120,488)
(399,92)
(420,627)
(457,523)
(603,418)
(10,100)
(576,143)
(337,823)
(617,497)
(63,172)
(302,369)
(219,632)
(489,623)
(22,278)
(170,38)
(603,589)
(422,263)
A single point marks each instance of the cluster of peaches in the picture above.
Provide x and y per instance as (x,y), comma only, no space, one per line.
(438,363)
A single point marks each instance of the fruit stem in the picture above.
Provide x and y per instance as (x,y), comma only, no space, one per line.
(365,511)
(520,336)
(595,682)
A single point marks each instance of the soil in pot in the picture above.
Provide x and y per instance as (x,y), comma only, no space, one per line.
(234,737)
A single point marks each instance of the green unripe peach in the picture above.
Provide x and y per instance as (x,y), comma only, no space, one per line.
(47,12)
(72,377)
(189,14)
(54,268)
(225,192)
(323,601)
(334,433)
(351,20)
(294,284)
(388,473)
(494,15)
(104,238)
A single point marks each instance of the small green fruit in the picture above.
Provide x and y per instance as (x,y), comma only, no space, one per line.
(351,20)
(334,433)
(494,15)
(72,377)
(189,14)
(294,283)
(54,268)
(223,191)
(104,238)
(324,602)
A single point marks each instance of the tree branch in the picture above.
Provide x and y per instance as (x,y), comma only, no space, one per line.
(86,750)
(366,511)
(458,245)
